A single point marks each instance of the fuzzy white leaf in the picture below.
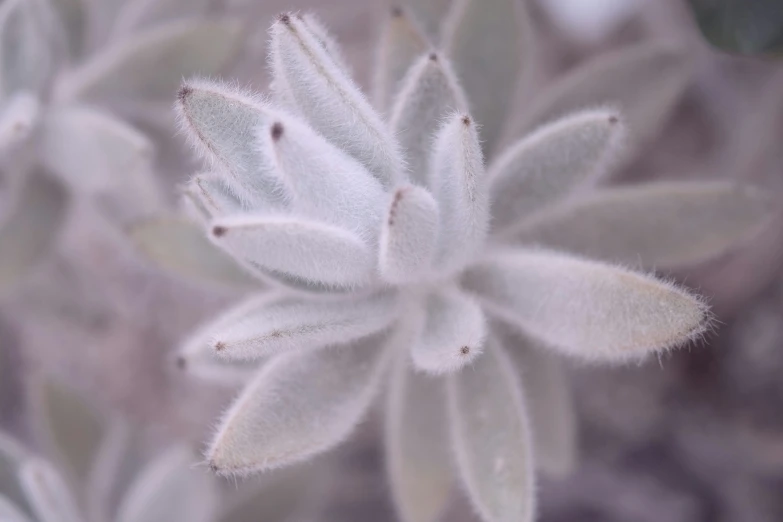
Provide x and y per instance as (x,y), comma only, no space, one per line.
(25,57)
(552,163)
(18,117)
(549,402)
(326,40)
(151,65)
(459,184)
(587,309)
(305,249)
(72,16)
(487,42)
(491,439)
(453,334)
(417,455)
(430,14)
(221,123)
(292,325)
(49,497)
(329,100)
(325,183)
(9,512)
(409,235)
(401,43)
(427,96)
(212,195)
(170,489)
(29,231)
(664,224)
(300,405)
(644,82)
(182,248)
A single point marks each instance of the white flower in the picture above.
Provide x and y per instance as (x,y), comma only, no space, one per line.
(392,257)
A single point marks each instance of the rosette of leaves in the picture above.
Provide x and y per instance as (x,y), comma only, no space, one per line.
(58,134)
(412,253)
(98,470)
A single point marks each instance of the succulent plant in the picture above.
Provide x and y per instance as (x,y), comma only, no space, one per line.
(57,133)
(404,253)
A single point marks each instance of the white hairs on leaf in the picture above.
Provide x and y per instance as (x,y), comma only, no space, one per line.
(427,96)
(409,235)
(491,438)
(662,225)
(18,117)
(453,334)
(49,497)
(212,195)
(300,405)
(418,459)
(329,99)
(587,309)
(553,162)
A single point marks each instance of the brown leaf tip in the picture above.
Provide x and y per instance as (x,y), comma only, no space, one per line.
(184,92)
(219,231)
(220,346)
(466,121)
(465,350)
(277,131)
(433,57)
(285,18)
(395,202)
(397,12)
(613,119)
(181,362)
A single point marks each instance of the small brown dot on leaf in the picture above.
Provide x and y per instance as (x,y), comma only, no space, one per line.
(433,57)
(396,11)
(466,120)
(220,346)
(219,231)
(464,350)
(285,18)
(277,131)
(181,362)
(184,92)
(613,119)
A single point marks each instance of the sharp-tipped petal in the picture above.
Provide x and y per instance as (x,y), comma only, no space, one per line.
(409,235)
(10,512)
(25,56)
(552,163)
(303,249)
(427,96)
(488,42)
(221,123)
(491,439)
(453,334)
(329,100)
(644,82)
(665,224)
(549,402)
(151,65)
(300,405)
(459,184)
(169,489)
(31,228)
(293,325)
(18,117)
(182,248)
(418,460)
(401,43)
(587,309)
(49,497)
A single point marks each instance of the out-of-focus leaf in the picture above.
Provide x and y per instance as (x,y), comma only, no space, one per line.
(73,22)
(753,27)
(140,13)
(24,50)
(49,496)
(31,228)
(11,457)
(9,512)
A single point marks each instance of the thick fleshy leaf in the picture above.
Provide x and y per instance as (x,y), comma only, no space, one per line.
(491,438)
(300,405)
(11,457)
(549,402)
(31,228)
(10,512)
(329,99)
(72,16)
(587,309)
(460,187)
(659,225)
(453,334)
(73,427)
(409,235)
(170,489)
(24,51)
(644,82)
(552,163)
(304,249)
(430,14)
(401,43)
(428,95)
(418,460)
(326,40)
(49,497)
(292,325)
(221,123)
(488,42)
(150,66)
(18,117)
(182,248)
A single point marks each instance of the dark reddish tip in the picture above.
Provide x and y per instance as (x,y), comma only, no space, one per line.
(219,231)
(466,121)
(285,18)
(434,57)
(220,346)
(397,12)
(184,92)
(277,131)
(181,362)
(464,350)
(613,119)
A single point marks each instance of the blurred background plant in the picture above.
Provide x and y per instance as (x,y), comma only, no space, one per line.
(697,438)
